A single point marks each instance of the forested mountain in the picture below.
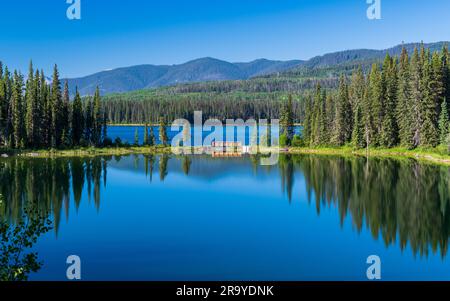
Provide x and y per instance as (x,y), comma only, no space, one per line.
(151,76)
(213,75)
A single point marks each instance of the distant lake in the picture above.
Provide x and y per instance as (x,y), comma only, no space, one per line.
(201,218)
(127,133)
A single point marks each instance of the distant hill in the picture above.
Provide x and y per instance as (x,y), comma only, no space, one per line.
(151,76)
(209,69)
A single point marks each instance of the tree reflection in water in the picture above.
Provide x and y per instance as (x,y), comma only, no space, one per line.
(401,201)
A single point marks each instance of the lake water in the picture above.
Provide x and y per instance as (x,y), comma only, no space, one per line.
(239,133)
(202,218)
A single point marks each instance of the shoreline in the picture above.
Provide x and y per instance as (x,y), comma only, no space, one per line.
(437,156)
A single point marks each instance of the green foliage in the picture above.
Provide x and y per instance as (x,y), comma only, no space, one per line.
(146,139)
(163,131)
(400,104)
(297,141)
(41,116)
(284,140)
(16,261)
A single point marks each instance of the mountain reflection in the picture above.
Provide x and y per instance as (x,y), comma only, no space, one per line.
(400,201)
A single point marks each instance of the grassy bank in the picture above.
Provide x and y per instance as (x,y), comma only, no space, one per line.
(89,151)
(438,155)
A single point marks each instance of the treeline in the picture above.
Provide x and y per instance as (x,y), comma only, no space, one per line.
(403,103)
(35,114)
(148,106)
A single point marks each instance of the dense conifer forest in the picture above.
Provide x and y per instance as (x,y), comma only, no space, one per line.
(35,114)
(402,103)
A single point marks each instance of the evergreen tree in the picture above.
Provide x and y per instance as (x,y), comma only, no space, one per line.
(416,83)
(98,119)
(287,119)
(65,118)
(307,122)
(162,131)
(77,119)
(31,106)
(389,127)
(57,110)
(343,120)
(374,106)
(358,128)
(17,112)
(404,112)
(146,141)
(431,83)
(151,137)
(88,122)
(443,123)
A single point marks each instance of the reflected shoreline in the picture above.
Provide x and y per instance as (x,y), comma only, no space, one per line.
(402,202)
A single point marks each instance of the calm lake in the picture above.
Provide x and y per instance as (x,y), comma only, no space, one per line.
(202,218)
(239,133)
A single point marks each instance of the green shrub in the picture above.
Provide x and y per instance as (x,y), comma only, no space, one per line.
(284,140)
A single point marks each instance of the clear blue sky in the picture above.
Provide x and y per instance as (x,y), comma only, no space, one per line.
(116,33)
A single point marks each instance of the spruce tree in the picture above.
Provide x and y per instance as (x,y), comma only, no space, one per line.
(343,121)
(404,112)
(97,119)
(57,109)
(88,122)
(389,128)
(162,131)
(146,141)
(65,116)
(374,106)
(17,112)
(358,140)
(30,107)
(443,123)
(151,137)
(287,119)
(77,119)
(417,96)
(431,83)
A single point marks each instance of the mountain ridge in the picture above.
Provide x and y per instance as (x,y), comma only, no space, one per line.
(147,76)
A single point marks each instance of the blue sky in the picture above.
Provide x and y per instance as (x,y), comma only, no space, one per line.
(113,34)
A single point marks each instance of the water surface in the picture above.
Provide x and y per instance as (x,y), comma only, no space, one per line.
(199,218)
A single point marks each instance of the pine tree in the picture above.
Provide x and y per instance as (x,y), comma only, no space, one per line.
(151,137)
(97,119)
(287,119)
(30,114)
(431,83)
(162,131)
(77,119)
(389,127)
(306,131)
(65,116)
(358,128)
(3,107)
(374,106)
(404,112)
(357,92)
(57,110)
(17,112)
(416,82)
(146,141)
(343,120)
(88,122)
(443,123)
